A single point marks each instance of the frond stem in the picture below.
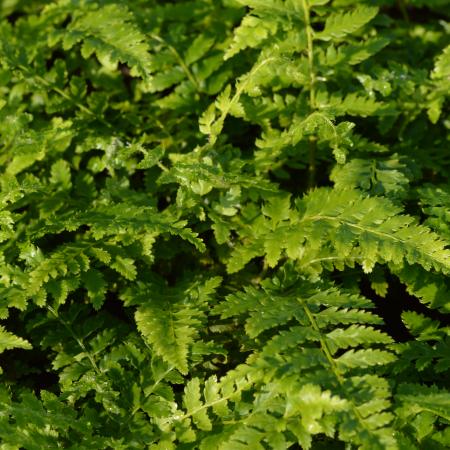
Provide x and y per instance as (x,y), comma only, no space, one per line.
(364,229)
(331,361)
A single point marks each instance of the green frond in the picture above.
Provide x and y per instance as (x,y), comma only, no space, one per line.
(377,176)
(194,406)
(31,146)
(354,53)
(252,32)
(349,225)
(353,104)
(435,202)
(427,398)
(9,340)
(431,348)
(126,267)
(340,24)
(381,232)
(171,319)
(310,345)
(276,7)
(355,335)
(96,286)
(422,411)
(224,225)
(111,32)
(442,65)
(429,288)
(364,358)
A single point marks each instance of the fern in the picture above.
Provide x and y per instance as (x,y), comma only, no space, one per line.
(430,350)
(344,223)
(340,24)
(8,341)
(111,33)
(171,321)
(301,309)
(436,201)
(224,225)
(374,176)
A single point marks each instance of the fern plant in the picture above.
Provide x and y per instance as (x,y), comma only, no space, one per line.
(224,224)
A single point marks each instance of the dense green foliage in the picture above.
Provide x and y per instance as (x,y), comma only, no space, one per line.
(224,224)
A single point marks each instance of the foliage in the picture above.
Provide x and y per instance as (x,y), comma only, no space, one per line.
(224,224)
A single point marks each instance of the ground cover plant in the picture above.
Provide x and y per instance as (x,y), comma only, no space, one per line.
(224,224)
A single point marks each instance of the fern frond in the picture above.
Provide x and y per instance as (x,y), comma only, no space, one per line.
(111,32)
(442,65)
(348,225)
(380,228)
(354,53)
(275,7)
(118,219)
(355,335)
(389,176)
(340,24)
(435,202)
(171,319)
(9,340)
(65,261)
(194,406)
(422,411)
(430,351)
(309,346)
(430,288)
(422,397)
(42,422)
(96,286)
(125,198)
(353,104)
(251,33)
(30,146)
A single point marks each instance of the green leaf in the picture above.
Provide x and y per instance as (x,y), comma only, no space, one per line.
(96,287)
(364,358)
(171,320)
(251,33)
(9,340)
(111,32)
(198,49)
(126,267)
(340,24)
(355,335)
(194,405)
(442,65)
(61,174)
